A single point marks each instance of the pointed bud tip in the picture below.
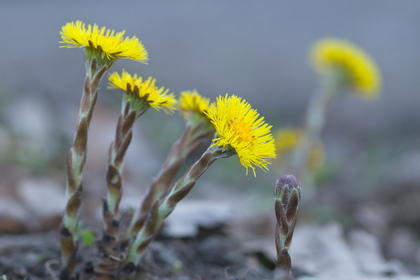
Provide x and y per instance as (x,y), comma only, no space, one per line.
(288,180)
(285,184)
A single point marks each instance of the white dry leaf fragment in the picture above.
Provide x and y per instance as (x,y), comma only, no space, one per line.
(189,215)
(322,251)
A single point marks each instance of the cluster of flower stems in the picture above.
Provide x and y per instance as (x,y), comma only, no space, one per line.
(125,235)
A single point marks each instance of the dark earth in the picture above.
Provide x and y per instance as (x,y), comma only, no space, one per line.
(210,255)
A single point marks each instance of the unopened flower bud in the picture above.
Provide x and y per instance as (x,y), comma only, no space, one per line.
(287,195)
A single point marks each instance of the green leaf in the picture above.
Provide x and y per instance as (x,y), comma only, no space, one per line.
(88,238)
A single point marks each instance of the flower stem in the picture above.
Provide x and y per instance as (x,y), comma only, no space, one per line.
(117,150)
(163,207)
(76,160)
(191,138)
(314,123)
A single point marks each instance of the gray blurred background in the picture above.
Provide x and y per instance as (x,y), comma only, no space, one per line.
(255,49)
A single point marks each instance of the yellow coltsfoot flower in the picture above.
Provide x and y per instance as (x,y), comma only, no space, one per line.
(107,42)
(193,107)
(144,90)
(191,101)
(361,73)
(239,127)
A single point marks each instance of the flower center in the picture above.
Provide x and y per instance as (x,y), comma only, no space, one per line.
(243,130)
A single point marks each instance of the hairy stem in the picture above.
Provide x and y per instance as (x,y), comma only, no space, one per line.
(117,150)
(163,207)
(191,138)
(331,85)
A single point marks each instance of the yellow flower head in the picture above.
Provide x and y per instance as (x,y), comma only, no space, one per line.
(192,102)
(144,89)
(107,42)
(240,127)
(362,73)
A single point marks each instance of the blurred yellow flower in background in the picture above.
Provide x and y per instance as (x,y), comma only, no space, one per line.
(241,128)
(290,138)
(316,156)
(361,71)
(287,139)
(191,101)
(107,42)
(144,89)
